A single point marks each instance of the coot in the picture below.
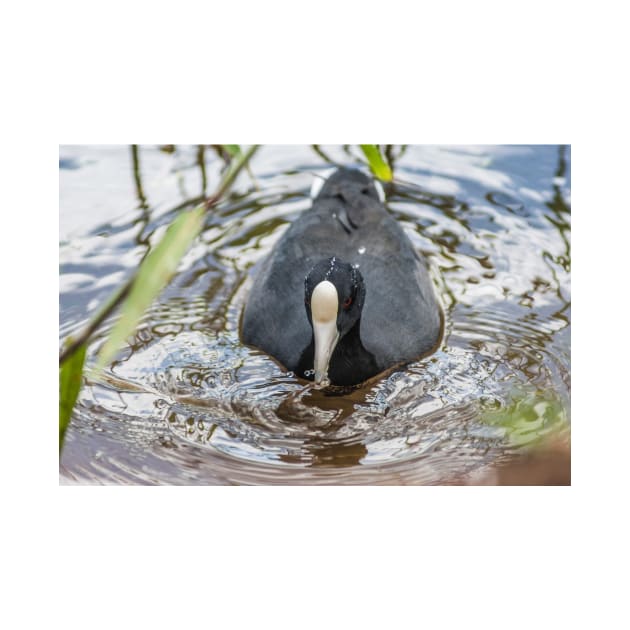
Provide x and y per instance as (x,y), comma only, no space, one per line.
(343,295)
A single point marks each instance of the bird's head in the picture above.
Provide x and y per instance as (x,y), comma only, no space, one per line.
(334,293)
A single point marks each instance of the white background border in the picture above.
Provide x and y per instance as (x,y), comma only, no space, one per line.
(448,72)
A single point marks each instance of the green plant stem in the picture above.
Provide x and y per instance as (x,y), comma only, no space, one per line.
(201,161)
(137,177)
(235,168)
(321,154)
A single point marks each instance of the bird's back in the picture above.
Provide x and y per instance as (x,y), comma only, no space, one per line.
(401,319)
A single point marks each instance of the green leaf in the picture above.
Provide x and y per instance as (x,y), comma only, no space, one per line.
(153,275)
(379,167)
(233,149)
(70,377)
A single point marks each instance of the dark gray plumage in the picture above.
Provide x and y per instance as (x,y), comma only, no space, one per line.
(400,320)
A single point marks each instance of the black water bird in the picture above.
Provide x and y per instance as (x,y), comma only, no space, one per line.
(343,295)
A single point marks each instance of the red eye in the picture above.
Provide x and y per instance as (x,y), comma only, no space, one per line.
(347,303)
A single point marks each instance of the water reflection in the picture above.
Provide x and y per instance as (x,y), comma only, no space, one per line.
(187,403)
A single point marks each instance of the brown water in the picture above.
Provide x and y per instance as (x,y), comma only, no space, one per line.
(186,403)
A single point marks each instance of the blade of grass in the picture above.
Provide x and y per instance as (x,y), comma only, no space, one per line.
(379,167)
(242,161)
(153,275)
(70,377)
(236,153)
(233,149)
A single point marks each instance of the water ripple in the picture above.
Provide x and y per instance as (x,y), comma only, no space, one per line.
(187,403)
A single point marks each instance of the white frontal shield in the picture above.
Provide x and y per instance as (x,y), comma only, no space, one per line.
(324,305)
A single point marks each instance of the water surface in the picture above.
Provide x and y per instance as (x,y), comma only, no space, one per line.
(187,403)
